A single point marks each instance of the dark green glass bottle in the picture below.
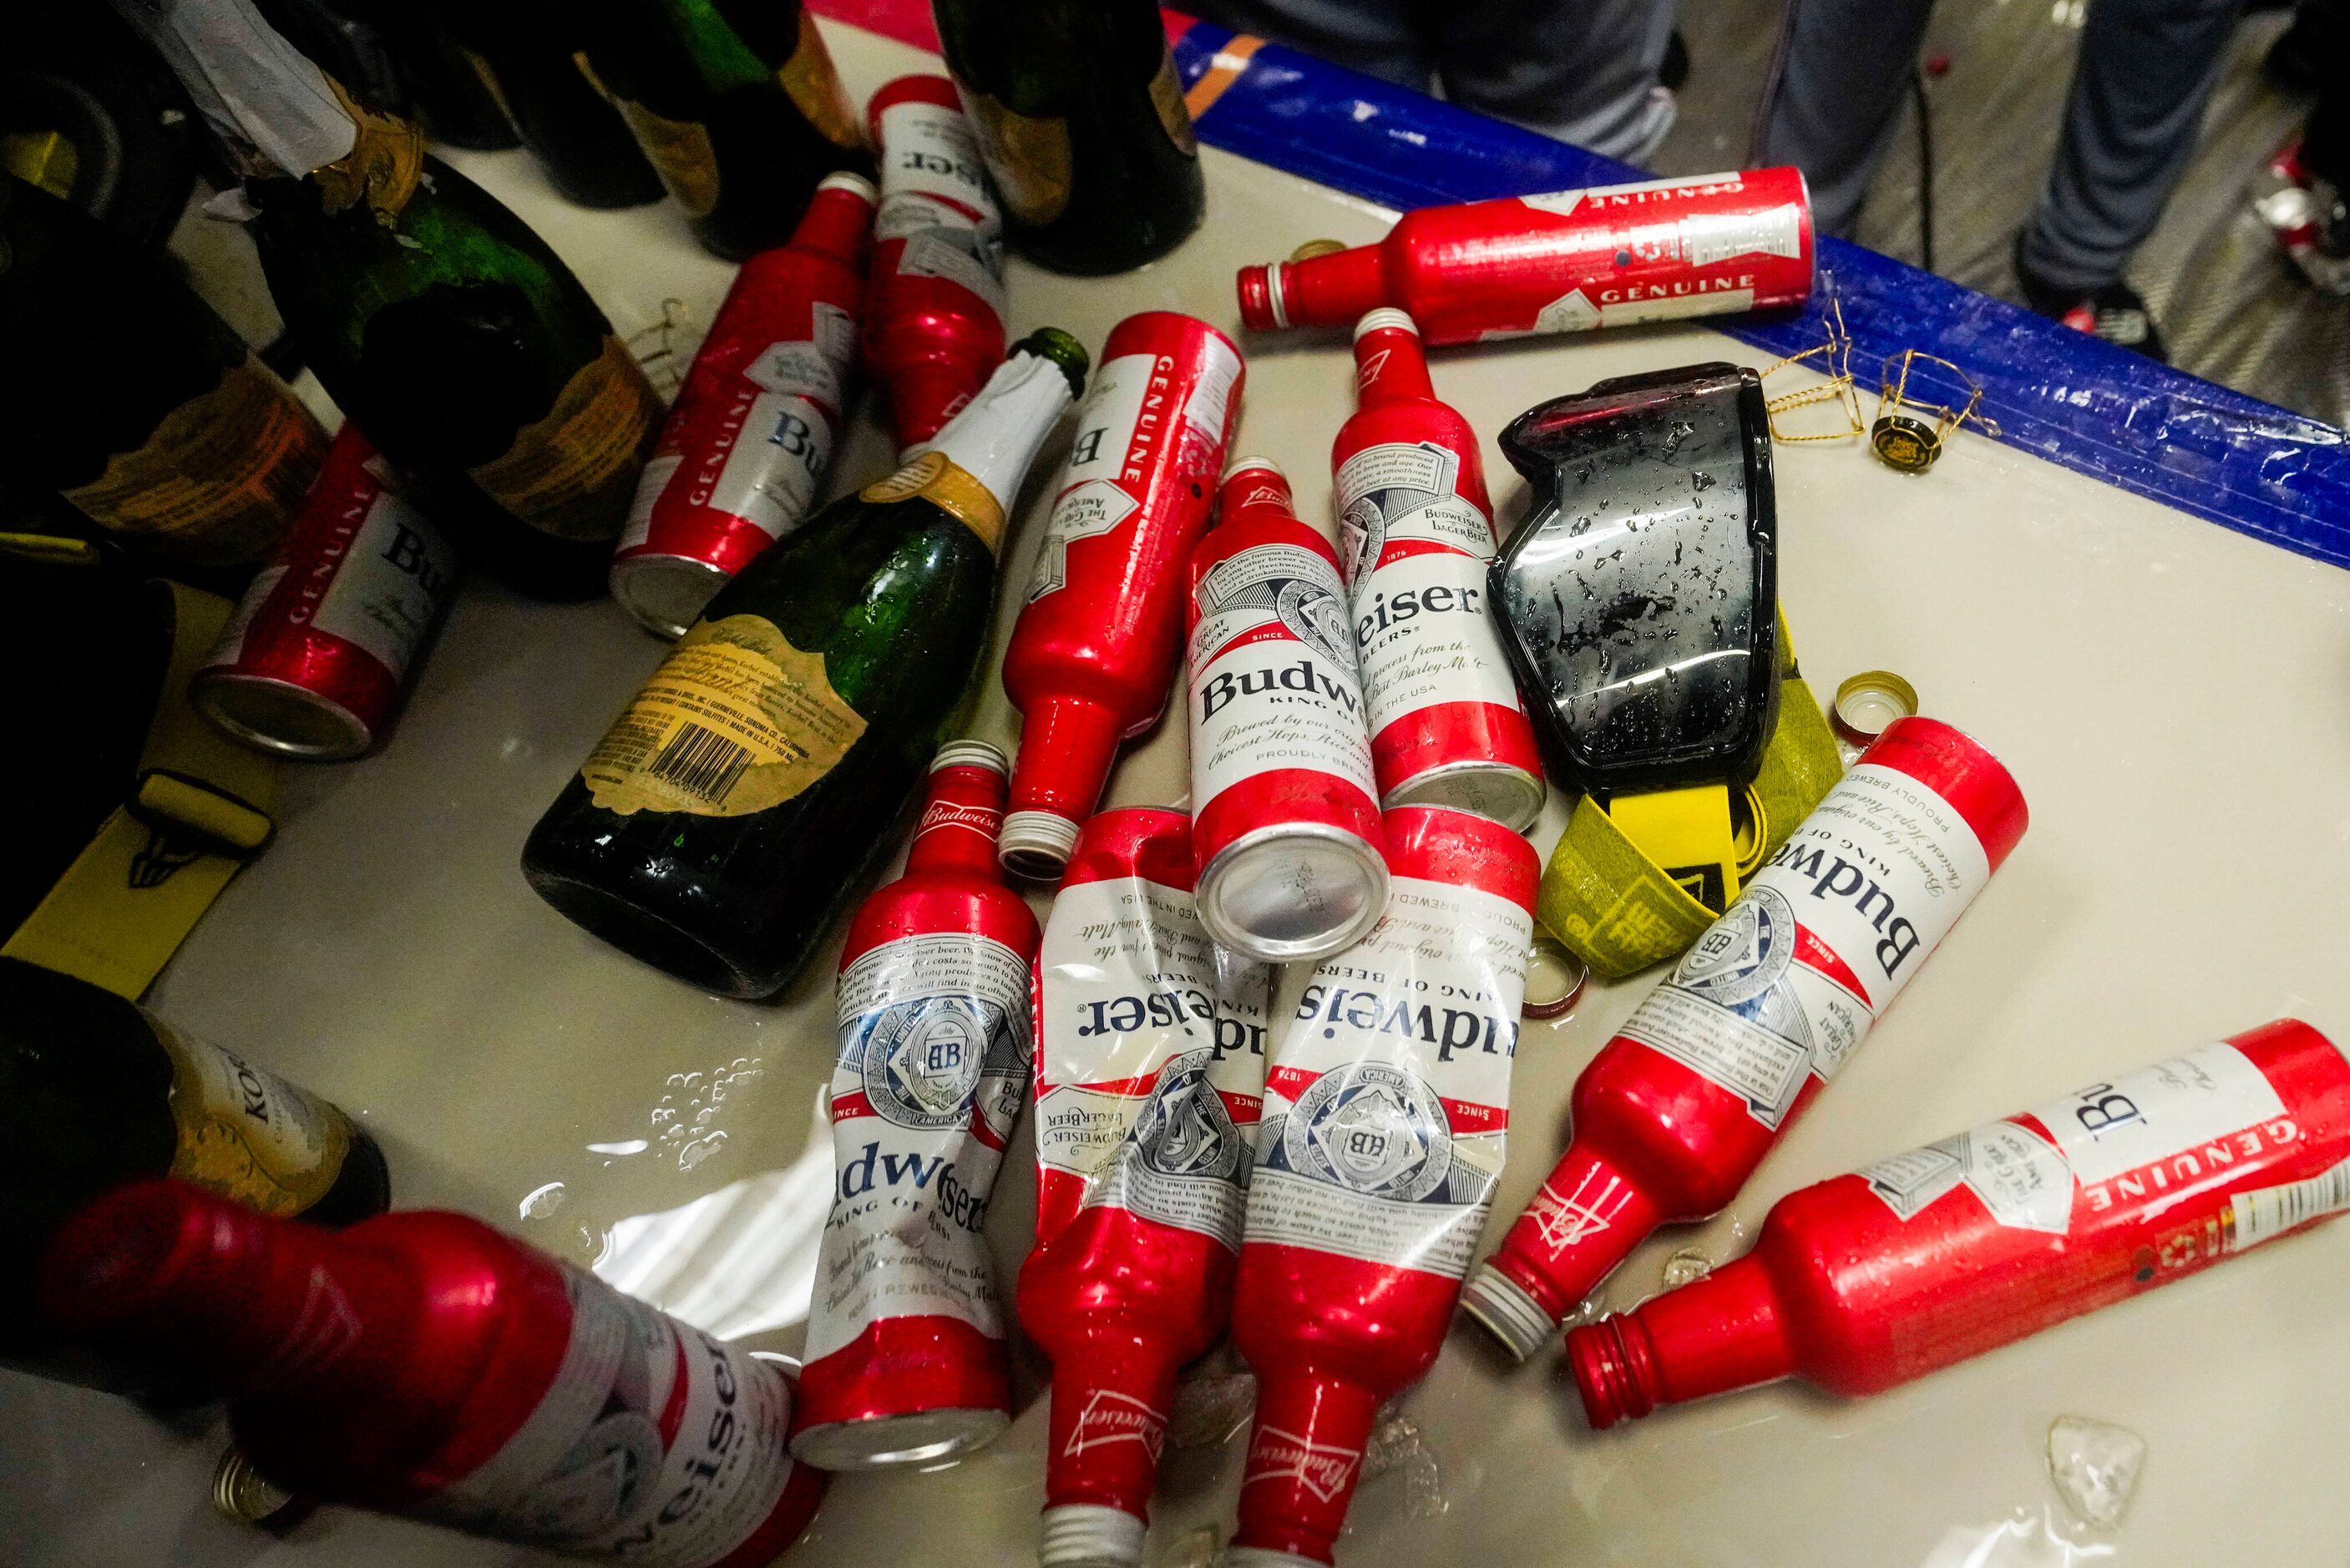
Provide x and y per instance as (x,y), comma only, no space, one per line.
(735,102)
(530,52)
(716,829)
(1082,124)
(95,1092)
(131,398)
(448,330)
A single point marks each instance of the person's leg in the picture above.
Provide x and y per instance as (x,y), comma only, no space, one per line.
(2145,71)
(1585,71)
(1833,98)
(1378,37)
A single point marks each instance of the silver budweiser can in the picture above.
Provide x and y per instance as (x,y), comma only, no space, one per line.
(744,453)
(1284,809)
(315,660)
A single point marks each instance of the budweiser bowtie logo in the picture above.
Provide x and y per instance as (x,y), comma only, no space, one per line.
(1565,1221)
(1322,1469)
(1110,1417)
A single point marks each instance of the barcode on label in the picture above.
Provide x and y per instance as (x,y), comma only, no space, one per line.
(700,762)
(2255,1216)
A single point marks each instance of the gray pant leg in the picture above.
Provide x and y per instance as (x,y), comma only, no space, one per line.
(1384,39)
(2146,72)
(1834,98)
(1583,71)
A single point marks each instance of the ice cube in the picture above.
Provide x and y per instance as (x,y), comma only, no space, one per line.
(2096,1466)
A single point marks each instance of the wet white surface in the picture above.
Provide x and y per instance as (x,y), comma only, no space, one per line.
(2174,697)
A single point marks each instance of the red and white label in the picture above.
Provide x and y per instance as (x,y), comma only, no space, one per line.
(1273,679)
(654,1444)
(1135,408)
(1415,555)
(1324,1469)
(1150,1056)
(765,460)
(933,1065)
(1110,1418)
(2113,1142)
(931,156)
(1814,949)
(1386,1105)
(379,586)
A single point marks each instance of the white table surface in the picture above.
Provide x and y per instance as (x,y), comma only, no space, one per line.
(2175,699)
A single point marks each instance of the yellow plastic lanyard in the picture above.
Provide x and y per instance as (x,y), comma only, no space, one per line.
(1619,889)
(198,809)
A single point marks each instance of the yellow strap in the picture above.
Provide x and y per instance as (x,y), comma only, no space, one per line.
(200,806)
(1617,909)
(1687,832)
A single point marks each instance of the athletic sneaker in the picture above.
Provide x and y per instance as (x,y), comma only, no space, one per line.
(2116,313)
(2307,214)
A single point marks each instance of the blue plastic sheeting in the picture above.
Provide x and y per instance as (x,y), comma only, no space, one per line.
(2059,394)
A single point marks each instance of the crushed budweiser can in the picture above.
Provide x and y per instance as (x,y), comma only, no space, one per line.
(1095,650)
(744,453)
(315,660)
(934,304)
(1564,262)
(1285,810)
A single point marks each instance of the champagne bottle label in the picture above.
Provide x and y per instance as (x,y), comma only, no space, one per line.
(250,1135)
(383,166)
(1030,158)
(815,86)
(220,478)
(940,479)
(654,1444)
(570,473)
(1167,97)
(735,720)
(681,153)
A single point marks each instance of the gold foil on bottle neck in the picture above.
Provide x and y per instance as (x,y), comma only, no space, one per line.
(382,168)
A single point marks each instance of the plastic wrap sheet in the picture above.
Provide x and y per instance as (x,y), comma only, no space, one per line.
(2059,394)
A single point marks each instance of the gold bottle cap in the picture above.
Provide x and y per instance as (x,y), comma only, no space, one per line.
(1867,702)
(1907,444)
(1313,248)
(1555,979)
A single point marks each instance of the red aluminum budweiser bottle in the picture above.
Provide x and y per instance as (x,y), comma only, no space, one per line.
(935,307)
(1415,533)
(1677,1110)
(1284,813)
(422,1364)
(743,456)
(1566,262)
(1869,1279)
(315,660)
(1094,650)
(1149,1076)
(1386,1108)
(906,1359)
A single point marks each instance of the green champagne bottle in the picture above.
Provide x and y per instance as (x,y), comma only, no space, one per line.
(735,102)
(1082,124)
(146,412)
(97,1092)
(529,52)
(452,334)
(132,400)
(722,821)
